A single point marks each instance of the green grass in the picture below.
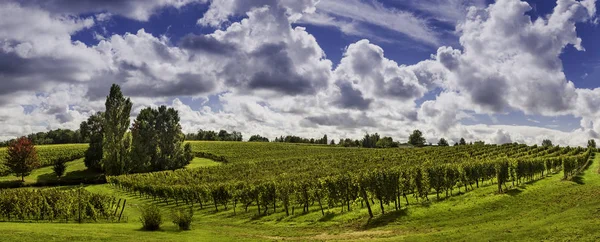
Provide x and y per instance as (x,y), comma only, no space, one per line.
(75,169)
(544,210)
(201,162)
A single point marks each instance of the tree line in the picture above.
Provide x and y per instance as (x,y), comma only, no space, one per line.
(57,136)
(209,135)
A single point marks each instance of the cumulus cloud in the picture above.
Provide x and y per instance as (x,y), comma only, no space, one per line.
(510,62)
(272,78)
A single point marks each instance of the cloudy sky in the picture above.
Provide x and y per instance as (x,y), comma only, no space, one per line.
(499,71)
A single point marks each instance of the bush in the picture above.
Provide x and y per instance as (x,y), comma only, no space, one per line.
(151,218)
(60,166)
(182,218)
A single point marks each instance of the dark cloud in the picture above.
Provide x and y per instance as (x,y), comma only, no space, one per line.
(28,74)
(344,120)
(398,88)
(271,68)
(351,98)
(186,84)
(207,44)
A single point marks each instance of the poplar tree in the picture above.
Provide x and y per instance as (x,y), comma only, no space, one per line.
(116,123)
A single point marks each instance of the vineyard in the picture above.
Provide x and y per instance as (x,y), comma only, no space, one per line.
(47,154)
(270,177)
(57,205)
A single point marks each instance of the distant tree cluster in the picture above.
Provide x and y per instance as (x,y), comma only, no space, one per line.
(57,136)
(349,143)
(155,142)
(258,138)
(209,135)
(297,139)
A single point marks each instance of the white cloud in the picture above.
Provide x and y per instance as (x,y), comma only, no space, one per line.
(273,79)
(349,15)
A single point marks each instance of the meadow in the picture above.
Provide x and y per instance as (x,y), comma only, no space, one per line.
(486,193)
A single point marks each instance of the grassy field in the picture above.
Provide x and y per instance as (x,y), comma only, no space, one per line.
(77,169)
(544,210)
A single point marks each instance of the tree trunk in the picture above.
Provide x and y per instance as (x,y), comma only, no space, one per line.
(364,195)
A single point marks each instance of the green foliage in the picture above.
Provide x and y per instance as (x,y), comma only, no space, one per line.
(59,167)
(21,157)
(115,125)
(338,176)
(386,142)
(258,138)
(547,143)
(416,138)
(47,154)
(55,204)
(57,136)
(370,141)
(151,217)
(92,130)
(158,141)
(443,142)
(183,218)
(210,135)
(591,144)
(462,142)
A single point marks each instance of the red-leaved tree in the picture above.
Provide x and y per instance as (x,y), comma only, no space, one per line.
(21,157)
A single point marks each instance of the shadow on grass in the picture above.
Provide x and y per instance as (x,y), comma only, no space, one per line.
(578,179)
(385,219)
(514,192)
(328,216)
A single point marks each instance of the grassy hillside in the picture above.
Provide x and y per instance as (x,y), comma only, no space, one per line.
(547,209)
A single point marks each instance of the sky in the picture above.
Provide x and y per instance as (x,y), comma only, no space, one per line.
(496,71)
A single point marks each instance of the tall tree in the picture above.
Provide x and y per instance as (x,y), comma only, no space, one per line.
(416,138)
(462,141)
(116,124)
(92,130)
(158,141)
(592,144)
(443,142)
(21,157)
(547,143)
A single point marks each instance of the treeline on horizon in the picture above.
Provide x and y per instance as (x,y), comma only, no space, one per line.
(56,136)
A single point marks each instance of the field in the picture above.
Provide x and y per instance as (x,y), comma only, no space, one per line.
(540,205)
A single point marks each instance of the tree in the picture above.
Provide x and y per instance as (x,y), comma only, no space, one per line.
(21,157)
(370,141)
(115,126)
(332,142)
(547,143)
(258,138)
(416,138)
(386,142)
(158,141)
(462,141)
(591,144)
(59,167)
(443,142)
(92,130)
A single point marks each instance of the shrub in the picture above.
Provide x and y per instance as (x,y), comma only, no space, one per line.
(151,218)
(182,218)
(60,166)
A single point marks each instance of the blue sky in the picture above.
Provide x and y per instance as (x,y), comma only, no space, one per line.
(480,69)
